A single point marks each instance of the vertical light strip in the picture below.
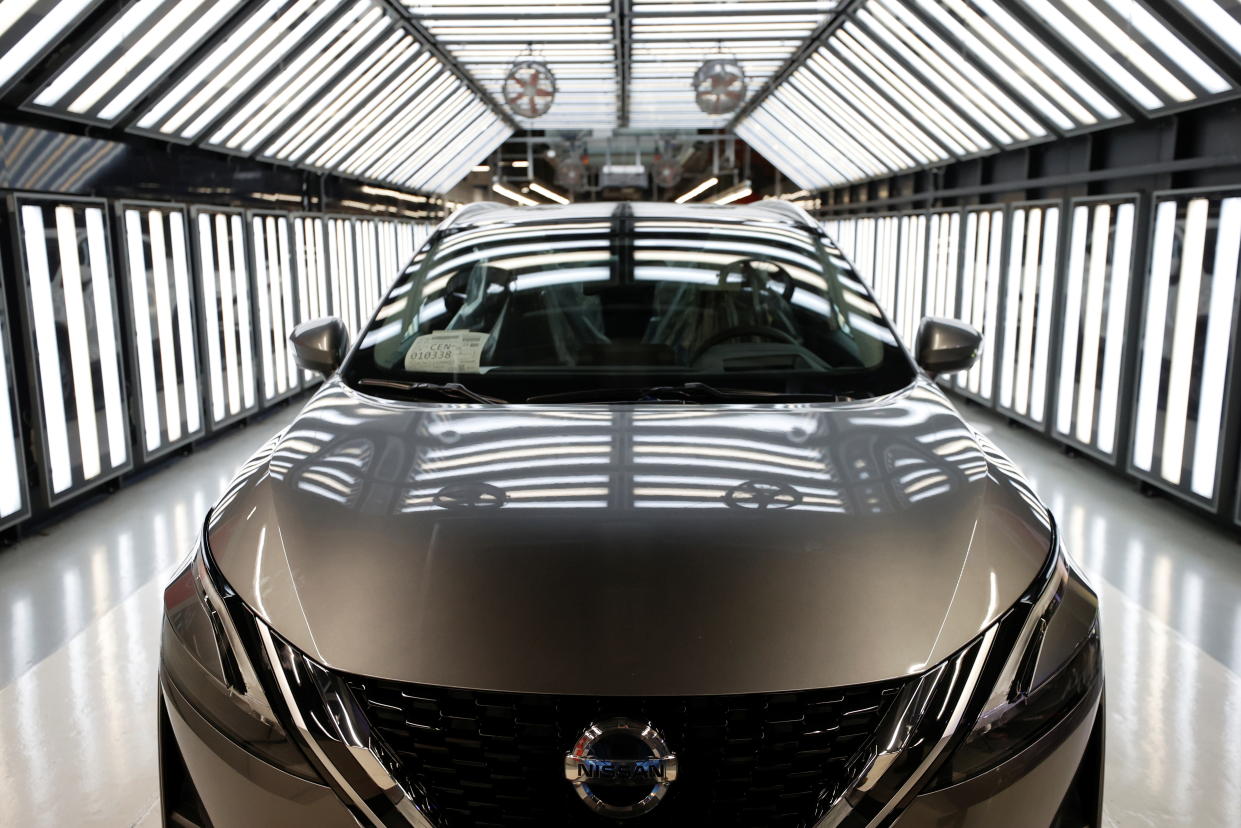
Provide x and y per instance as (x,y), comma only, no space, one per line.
(105,328)
(1215,354)
(1046,297)
(228,309)
(288,319)
(55,425)
(1184,331)
(277,268)
(163,318)
(1092,323)
(993,294)
(211,319)
(264,297)
(79,346)
(1153,335)
(968,255)
(12,497)
(1069,349)
(1012,298)
(185,322)
(245,333)
(142,328)
(1117,310)
(1030,300)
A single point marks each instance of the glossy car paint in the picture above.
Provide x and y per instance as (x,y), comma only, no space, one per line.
(650,549)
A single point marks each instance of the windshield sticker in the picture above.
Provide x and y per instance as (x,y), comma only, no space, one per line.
(446,352)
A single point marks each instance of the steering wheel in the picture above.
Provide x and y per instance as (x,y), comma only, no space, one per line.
(756,277)
(742,330)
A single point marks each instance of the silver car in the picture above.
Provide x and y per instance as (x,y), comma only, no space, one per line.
(631,512)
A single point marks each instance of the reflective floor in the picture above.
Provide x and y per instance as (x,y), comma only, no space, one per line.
(79,607)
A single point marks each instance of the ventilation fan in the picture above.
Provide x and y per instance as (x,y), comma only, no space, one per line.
(529,88)
(719,86)
(666,172)
(571,175)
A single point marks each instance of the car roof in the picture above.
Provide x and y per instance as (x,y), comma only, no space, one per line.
(487,212)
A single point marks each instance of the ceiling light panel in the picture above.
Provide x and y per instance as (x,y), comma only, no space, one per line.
(137,49)
(669,41)
(576,41)
(208,90)
(1138,52)
(28,28)
(903,84)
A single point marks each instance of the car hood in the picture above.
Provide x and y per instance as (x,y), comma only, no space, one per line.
(659,549)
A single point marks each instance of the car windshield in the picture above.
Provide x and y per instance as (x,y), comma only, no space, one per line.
(627,307)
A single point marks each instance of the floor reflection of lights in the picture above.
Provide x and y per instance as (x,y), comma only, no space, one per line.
(79,643)
(79,609)
(1170,592)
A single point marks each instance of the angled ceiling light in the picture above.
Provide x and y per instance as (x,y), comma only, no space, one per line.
(719,86)
(529,88)
(549,193)
(702,187)
(513,195)
(738,192)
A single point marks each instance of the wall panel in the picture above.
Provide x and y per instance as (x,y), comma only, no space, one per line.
(1184,370)
(162,325)
(75,353)
(1029,295)
(275,301)
(1094,337)
(226,314)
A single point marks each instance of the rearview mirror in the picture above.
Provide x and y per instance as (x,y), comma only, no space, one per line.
(320,344)
(946,345)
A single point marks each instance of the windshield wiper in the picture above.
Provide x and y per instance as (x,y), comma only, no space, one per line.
(449,390)
(689,392)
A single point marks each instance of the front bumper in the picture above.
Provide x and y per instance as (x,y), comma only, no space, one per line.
(209,780)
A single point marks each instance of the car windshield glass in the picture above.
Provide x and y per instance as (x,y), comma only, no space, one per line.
(573,308)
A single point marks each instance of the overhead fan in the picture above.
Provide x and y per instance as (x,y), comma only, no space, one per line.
(571,175)
(719,86)
(666,172)
(529,88)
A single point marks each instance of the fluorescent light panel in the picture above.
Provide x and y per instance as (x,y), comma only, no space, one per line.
(82,296)
(163,327)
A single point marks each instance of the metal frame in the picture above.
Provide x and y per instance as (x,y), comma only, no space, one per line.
(121,264)
(213,426)
(15,411)
(40,446)
(1226,464)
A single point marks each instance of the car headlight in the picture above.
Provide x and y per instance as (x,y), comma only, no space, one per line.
(1055,663)
(205,657)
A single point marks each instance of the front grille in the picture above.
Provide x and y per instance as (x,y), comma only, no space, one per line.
(497,759)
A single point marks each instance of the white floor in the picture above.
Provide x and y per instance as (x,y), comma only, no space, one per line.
(80,604)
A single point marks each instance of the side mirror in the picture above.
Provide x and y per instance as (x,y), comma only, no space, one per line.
(320,344)
(946,345)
